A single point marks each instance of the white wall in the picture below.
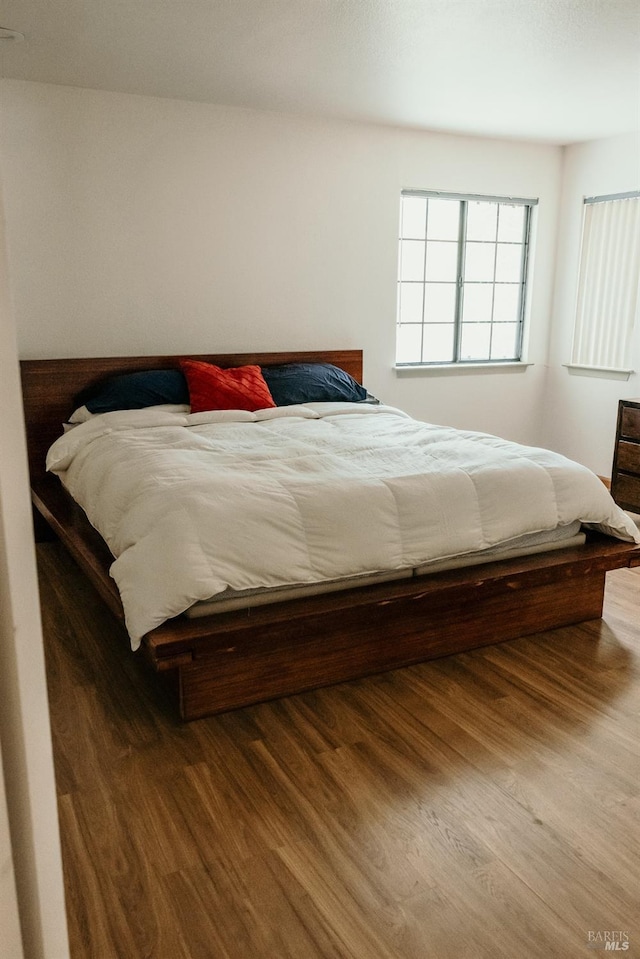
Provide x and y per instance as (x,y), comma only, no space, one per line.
(145,225)
(24,716)
(9,914)
(581,411)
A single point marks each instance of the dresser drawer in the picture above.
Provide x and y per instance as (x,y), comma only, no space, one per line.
(630,424)
(628,457)
(626,491)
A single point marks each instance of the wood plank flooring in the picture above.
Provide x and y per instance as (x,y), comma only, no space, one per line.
(478,807)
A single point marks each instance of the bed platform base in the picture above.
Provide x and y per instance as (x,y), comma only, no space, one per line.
(225,661)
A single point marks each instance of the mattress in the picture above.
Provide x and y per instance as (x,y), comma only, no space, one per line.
(230,600)
(196,505)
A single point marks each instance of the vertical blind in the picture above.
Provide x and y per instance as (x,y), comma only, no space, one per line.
(608,284)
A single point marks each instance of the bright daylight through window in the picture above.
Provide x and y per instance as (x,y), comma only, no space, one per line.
(609,283)
(461,278)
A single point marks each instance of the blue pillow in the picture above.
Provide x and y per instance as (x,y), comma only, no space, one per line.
(311,383)
(134,391)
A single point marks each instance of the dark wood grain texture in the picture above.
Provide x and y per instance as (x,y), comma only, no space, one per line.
(484,805)
(225,661)
(625,473)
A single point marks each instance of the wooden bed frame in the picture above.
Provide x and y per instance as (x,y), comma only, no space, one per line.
(233,659)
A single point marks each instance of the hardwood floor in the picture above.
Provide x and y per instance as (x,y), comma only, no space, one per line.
(477,807)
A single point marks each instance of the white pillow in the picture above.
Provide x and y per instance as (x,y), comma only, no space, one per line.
(82,414)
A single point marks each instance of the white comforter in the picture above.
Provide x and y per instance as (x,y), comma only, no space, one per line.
(191,504)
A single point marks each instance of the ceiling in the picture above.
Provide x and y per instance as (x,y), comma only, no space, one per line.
(556,71)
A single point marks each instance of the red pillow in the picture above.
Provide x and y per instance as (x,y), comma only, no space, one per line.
(238,388)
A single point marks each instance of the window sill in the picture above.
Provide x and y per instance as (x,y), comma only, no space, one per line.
(603,372)
(446,368)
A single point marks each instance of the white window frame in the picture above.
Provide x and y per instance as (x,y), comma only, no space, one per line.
(456,361)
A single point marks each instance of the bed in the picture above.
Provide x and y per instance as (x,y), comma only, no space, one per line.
(301,640)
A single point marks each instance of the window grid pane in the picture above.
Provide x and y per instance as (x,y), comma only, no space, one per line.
(461,300)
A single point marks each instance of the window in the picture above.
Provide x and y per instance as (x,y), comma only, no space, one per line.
(461,278)
(607,301)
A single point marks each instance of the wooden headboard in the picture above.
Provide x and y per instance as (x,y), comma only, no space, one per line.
(49,387)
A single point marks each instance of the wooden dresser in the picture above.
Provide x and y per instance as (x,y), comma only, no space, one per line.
(625,477)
